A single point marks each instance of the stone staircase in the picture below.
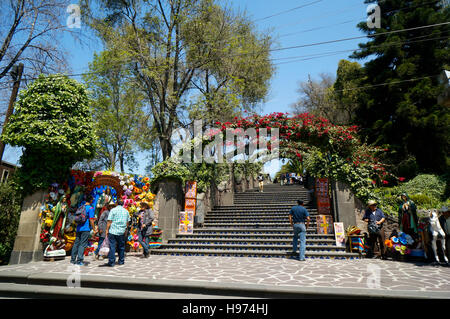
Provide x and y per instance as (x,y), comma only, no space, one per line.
(257,225)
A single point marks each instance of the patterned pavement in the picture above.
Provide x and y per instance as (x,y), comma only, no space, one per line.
(359,274)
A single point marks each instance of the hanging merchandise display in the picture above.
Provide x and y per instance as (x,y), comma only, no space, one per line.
(322,195)
(324,224)
(58,227)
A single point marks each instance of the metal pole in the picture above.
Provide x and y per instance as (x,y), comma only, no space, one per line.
(16,74)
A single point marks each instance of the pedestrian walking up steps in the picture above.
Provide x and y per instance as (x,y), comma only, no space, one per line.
(257,225)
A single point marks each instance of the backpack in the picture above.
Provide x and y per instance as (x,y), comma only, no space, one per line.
(373,228)
(80,215)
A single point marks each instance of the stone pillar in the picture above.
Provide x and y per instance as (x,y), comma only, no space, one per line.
(343,204)
(27,246)
(201,208)
(168,204)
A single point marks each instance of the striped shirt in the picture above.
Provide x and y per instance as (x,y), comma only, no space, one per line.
(119,217)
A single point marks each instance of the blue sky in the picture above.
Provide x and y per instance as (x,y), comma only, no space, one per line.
(316,21)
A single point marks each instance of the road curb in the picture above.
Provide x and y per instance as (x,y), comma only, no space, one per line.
(201,288)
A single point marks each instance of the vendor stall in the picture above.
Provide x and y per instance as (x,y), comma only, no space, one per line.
(63,199)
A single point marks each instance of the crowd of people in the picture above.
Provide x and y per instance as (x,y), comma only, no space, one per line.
(290,179)
(114,223)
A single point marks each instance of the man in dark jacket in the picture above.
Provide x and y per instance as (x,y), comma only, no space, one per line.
(375,218)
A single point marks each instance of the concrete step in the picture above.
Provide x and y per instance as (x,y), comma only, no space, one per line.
(243,218)
(260,224)
(239,216)
(54,285)
(241,247)
(251,237)
(249,241)
(11,290)
(229,230)
(254,253)
(286,208)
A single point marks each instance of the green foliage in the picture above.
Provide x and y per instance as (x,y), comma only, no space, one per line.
(183,51)
(204,174)
(406,117)
(117,107)
(169,169)
(52,122)
(427,191)
(360,177)
(10,206)
(427,184)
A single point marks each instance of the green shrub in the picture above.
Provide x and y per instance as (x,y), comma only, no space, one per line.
(426,191)
(431,185)
(10,206)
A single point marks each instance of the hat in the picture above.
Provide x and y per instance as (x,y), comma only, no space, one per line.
(371,202)
(444,209)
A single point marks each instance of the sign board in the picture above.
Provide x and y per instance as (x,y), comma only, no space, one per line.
(324,224)
(191,190)
(339,234)
(323,199)
(186,224)
(189,205)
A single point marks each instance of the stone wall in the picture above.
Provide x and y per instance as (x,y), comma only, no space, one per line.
(27,245)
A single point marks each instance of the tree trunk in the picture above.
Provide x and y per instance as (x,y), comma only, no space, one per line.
(166,147)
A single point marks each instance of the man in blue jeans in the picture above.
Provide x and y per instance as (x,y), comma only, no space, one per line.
(297,217)
(116,228)
(83,234)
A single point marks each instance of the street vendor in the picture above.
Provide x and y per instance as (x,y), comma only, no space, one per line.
(375,218)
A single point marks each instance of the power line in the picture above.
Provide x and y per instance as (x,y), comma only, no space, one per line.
(358,37)
(274,50)
(372,47)
(388,83)
(289,10)
(348,21)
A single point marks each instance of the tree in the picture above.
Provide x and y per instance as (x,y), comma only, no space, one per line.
(346,96)
(400,110)
(334,98)
(117,111)
(53,124)
(171,45)
(316,97)
(30,34)
(237,73)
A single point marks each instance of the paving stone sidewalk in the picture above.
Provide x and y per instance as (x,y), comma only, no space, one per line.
(349,274)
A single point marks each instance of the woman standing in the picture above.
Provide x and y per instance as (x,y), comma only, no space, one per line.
(145,227)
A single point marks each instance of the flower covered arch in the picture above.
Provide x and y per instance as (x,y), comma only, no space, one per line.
(325,149)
